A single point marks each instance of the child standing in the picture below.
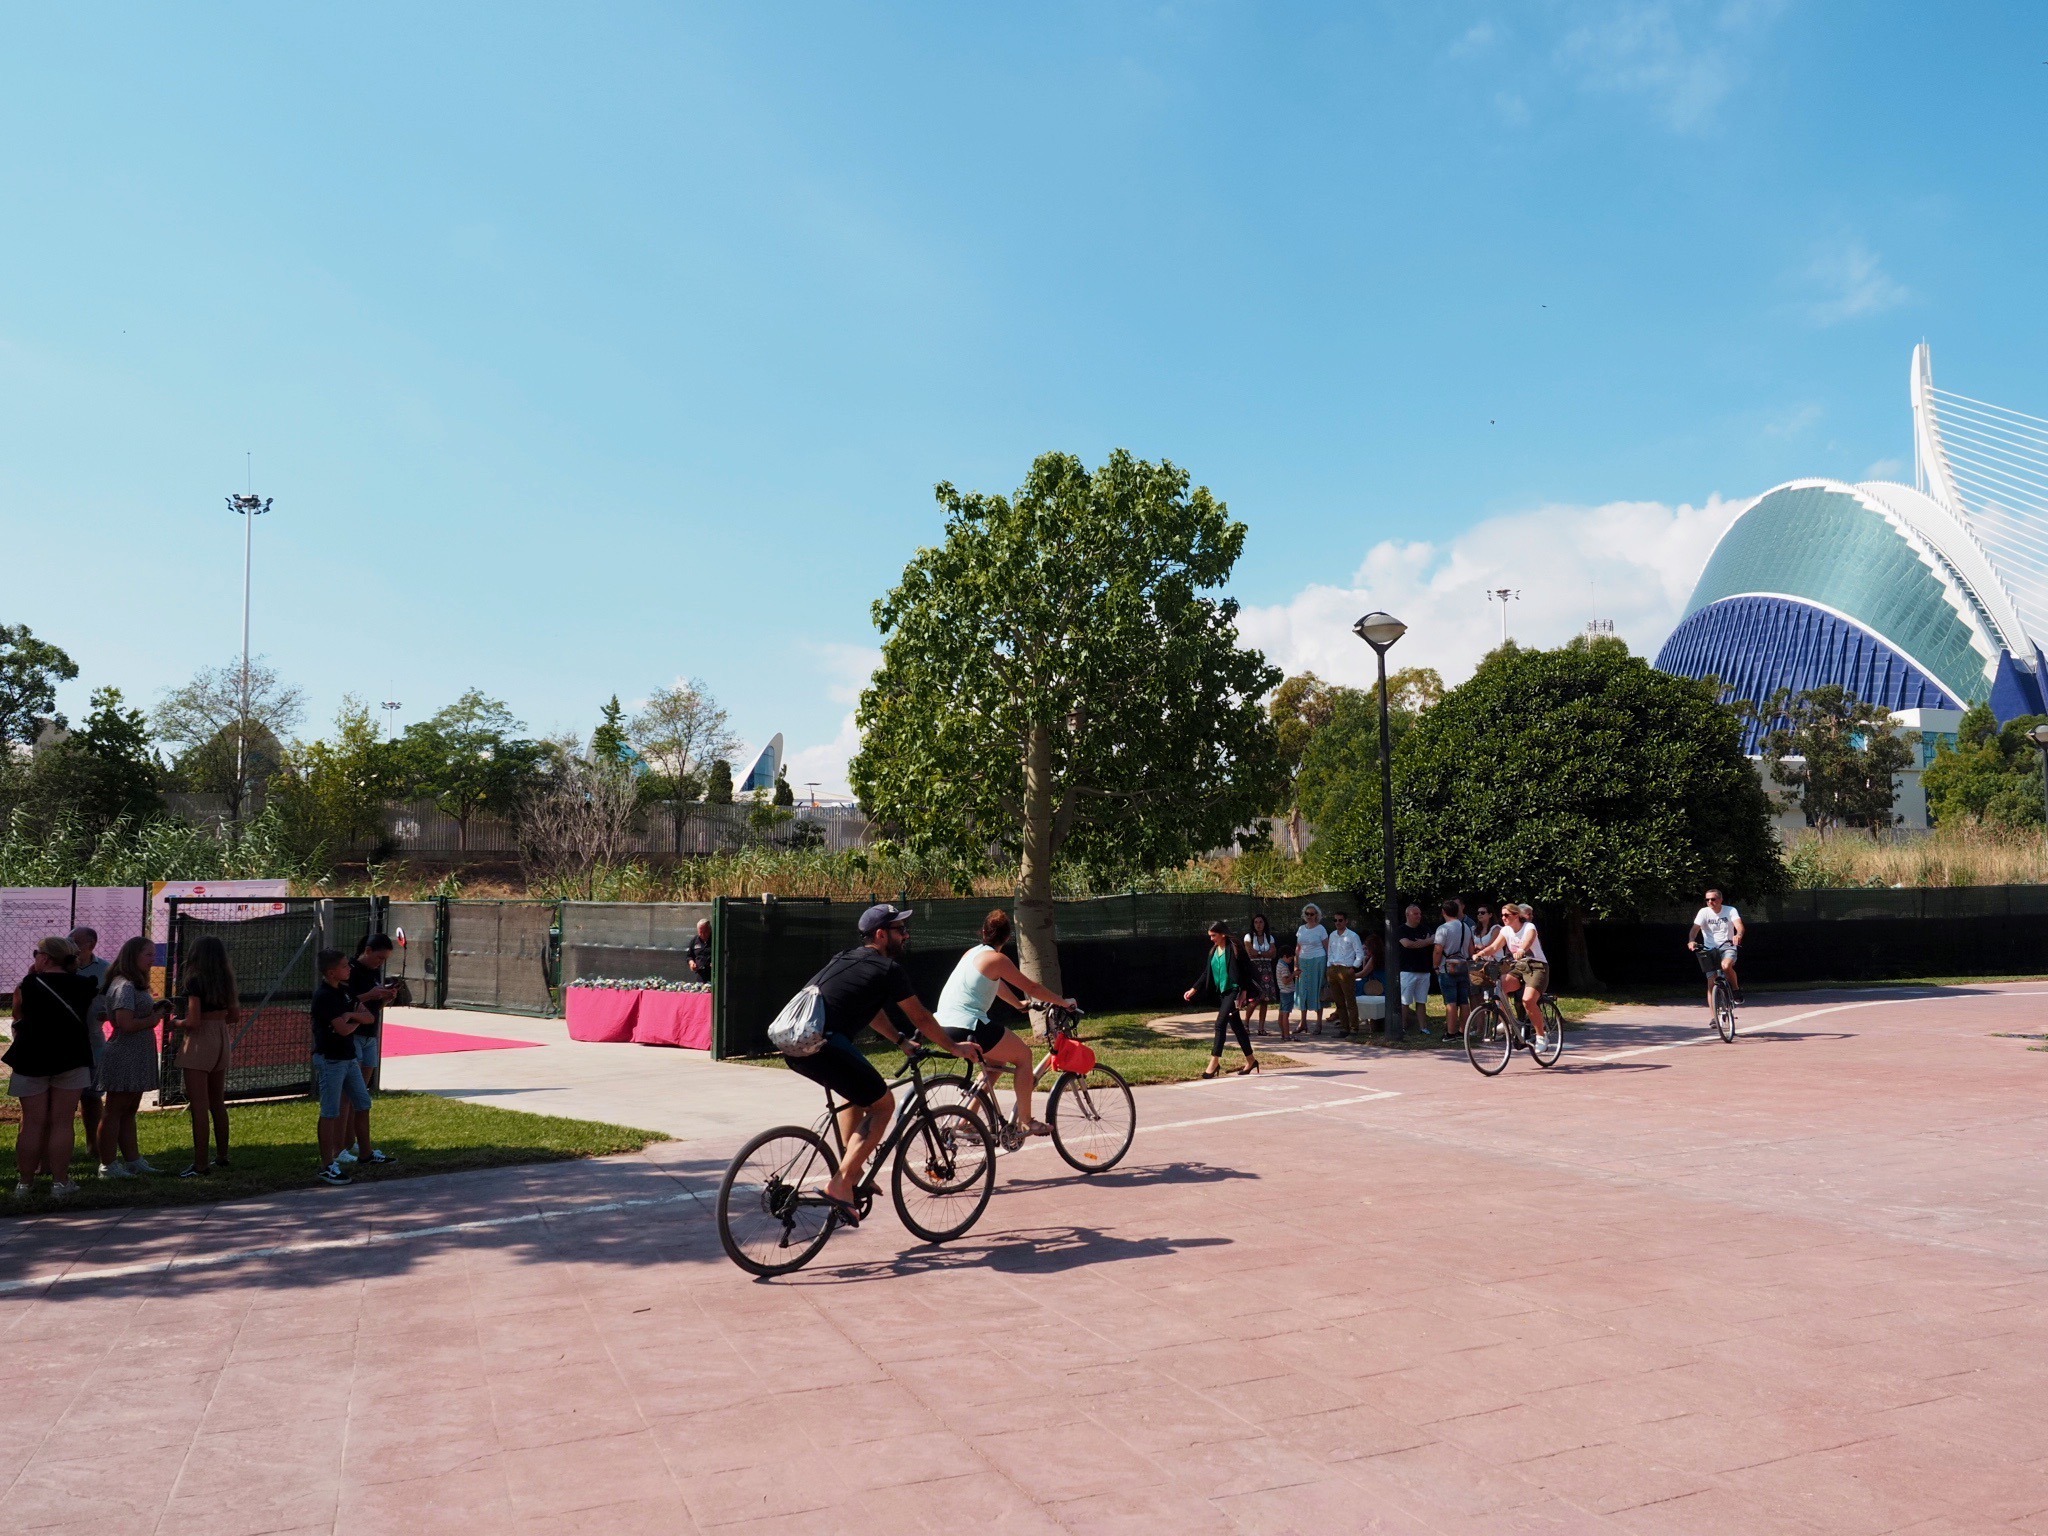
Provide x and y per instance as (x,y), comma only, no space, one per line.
(1283,980)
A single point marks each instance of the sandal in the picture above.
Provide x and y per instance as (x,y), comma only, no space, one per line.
(847,1212)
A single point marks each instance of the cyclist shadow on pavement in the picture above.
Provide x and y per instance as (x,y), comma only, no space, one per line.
(1131,1178)
(1029,1251)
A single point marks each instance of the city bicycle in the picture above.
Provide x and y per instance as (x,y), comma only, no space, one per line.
(772,1213)
(1497,1025)
(1724,995)
(1091,1111)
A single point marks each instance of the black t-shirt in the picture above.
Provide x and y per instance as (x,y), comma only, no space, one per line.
(1424,957)
(860,984)
(330,1003)
(50,1037)
(698,953)
(360,979)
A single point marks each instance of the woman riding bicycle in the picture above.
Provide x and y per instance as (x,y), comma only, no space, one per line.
(1519,943)
(984,974)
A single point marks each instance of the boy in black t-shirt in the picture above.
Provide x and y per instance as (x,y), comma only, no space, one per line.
(336,1017)
(366,984)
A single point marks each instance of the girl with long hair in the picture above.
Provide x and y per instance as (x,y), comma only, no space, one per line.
(128,1066)
(1260,951)
(212,1008)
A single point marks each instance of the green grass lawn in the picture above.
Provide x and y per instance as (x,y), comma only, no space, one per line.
(1124,1041)
(274,1147)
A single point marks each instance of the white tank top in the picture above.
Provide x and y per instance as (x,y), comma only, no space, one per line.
(965,1001)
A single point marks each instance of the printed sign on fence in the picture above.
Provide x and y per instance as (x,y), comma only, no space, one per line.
(114,912)
(28,915)
(262,901)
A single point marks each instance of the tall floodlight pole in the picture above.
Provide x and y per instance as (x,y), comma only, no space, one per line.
(2039,737)
(1380,631)
(1503,596)
(250,507)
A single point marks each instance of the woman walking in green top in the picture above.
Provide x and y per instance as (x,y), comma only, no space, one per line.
(1223,977)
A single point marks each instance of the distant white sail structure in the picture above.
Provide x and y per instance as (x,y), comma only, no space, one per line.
(1989,465)
(767,767)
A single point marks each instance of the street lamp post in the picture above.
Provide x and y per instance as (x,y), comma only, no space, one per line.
(2039,737)
(1380,631)
(250,507)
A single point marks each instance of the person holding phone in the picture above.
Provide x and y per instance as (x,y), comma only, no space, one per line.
(366,984)
(128,1066)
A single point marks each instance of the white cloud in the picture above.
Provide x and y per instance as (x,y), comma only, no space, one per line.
(1477,38)
(1636,560)
(1684,56)
(1852,283)
(847,669)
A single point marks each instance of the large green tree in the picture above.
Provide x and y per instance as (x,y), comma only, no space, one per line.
(472,759)
(331,794)
(220,752)
(1339,757)
(30,670)
(1056,684)
(1837,756)
(102,773)
(1582,778)
(1992,775)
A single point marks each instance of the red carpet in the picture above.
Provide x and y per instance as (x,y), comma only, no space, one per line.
(408,1040)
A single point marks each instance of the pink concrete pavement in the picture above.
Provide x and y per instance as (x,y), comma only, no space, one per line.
(1792,1284)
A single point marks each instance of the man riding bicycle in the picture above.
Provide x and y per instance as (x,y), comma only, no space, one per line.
(867,986)
(1717,933)
(984,974)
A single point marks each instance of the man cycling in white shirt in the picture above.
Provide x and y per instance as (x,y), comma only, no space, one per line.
(1718,929)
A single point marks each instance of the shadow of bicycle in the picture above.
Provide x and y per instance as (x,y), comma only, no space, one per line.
(1151,1176)
(1030,1251)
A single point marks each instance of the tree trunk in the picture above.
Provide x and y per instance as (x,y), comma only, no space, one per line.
(1038,952)
(1575,952)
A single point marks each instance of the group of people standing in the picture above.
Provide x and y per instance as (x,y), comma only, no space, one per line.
(85,1048)
(1320,967)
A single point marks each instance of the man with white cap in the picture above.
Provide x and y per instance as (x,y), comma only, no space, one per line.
(866,986)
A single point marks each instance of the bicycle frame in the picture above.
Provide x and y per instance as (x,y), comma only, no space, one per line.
(828,1125)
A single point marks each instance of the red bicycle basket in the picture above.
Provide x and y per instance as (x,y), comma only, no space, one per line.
(1070,1055)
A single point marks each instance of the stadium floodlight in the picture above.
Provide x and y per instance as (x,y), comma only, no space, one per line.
(250,507)
(1380,631)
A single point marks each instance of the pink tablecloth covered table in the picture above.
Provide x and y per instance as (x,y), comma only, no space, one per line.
(601,1013)
(674,1018)
(608,1015)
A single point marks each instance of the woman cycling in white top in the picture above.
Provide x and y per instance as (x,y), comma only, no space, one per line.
(1524,951)
(984,974)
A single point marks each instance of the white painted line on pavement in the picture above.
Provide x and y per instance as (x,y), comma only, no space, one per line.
(1285,1109)
(1796,1018)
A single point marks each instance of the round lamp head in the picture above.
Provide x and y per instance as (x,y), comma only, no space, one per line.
(2039,736)
(1379,630)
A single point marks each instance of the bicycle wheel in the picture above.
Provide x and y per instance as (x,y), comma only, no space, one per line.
(771,1218)
(1552,1047)
(1724,1013)
(945,1171)
(1489,1039)
(1093,1118)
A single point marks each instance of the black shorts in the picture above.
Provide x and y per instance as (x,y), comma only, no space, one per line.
(986,1034)
(838,1066)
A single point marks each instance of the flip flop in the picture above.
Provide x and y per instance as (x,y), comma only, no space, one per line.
(845,1210)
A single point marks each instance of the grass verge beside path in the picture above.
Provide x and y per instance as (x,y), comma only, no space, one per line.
(274,1147)
(1124,1041)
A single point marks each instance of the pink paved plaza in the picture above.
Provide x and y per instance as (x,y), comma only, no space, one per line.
(1793,1284)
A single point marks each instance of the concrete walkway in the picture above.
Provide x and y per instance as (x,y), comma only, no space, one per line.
(683,1093)
(1790,1284)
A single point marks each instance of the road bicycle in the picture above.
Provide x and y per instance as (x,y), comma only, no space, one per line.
(772,1213)
(1496,1026)
(1723,994)
(1091,1111)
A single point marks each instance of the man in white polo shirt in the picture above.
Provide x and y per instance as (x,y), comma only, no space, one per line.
(1717,930)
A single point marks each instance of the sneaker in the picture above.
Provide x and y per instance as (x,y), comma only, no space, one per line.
(332,1174)
(115,1171)
(63,1191)
(195,1172)
(142,1166)
(23,1189)
(382,1159)
(346,1157)
(222,1162)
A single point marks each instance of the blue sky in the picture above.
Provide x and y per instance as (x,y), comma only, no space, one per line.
(584,347)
